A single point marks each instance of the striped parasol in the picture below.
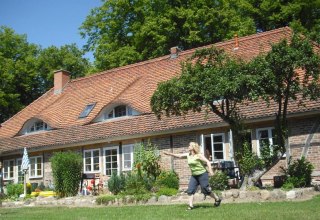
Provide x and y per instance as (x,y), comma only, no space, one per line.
(25,160)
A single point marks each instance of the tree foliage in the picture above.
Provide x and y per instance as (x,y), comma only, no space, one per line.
(121,32)
(281,82)
(66,171)
(26,70)
(124,32)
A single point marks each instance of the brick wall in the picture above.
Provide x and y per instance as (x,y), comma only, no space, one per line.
(299,132)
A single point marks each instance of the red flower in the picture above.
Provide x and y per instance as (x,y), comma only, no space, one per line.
(89,188)
(93,181)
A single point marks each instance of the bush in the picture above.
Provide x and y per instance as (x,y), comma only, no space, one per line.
(167,191)
(249,161)
(147,159)
(135,184)
(219,181)
(299,173)
(14,190)
(116,183)
(66,170)
(105,199)
(168,179)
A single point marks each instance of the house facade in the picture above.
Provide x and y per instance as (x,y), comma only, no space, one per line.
(103,116)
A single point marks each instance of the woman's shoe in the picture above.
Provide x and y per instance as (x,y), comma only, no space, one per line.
(189,208)
(217,202)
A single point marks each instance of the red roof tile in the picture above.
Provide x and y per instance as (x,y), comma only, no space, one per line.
(132,85)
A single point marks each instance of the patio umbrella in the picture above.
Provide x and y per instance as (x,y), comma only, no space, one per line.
(24,168)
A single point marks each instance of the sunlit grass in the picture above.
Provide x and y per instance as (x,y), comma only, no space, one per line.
(271,210)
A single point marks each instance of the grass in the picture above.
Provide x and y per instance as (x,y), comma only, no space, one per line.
(305,210)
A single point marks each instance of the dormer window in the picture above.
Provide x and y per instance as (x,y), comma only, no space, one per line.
(38,126)
(119,111)
(86,111)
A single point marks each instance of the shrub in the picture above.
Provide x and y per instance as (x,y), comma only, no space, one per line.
(14,190)
(299,173)
(287,186)
(66,169)
(248,161)
(147,159)
(116,183)
(167,191)
(135,184)
(168,179)
(105,199)
(219,181)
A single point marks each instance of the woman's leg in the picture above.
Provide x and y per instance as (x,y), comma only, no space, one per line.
(191,200)
(192,187)
(206,189)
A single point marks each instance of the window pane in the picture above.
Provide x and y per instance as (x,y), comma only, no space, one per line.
(96,167)
(126,149)
(96,153)
(87,154)
(88,160)
(127,156)
(108,159)
(218,155)
(218,147)
(96,160)
(120,111)
(127,164)
(217,138)
(263,134)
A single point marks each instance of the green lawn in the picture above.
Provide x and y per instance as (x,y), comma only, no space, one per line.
(302,210)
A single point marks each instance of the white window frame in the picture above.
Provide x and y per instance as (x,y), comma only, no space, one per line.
(8,169)
(212,145)
(91,161)
(270,138)
(104,159)
(129,112)
(130,147)
(44,127)
(19,170)
(36,167)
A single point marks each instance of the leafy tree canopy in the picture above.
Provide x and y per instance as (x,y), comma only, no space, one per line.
(280,80)
(122,32)
(26,70)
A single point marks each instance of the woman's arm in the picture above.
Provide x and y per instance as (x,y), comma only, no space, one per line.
(205,160)
(176,155)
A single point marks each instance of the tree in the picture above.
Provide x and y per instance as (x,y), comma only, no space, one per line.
(210,81)
(17,72)
(26,70)
(124,32)
(68,57)
(281,82)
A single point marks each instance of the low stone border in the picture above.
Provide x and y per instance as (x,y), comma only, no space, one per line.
(228,196)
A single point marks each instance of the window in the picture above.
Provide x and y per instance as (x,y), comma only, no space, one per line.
(111,160)
(20,173)
(213,146)
(38,126)
(8,169)
(87,110)
(119,111)
(35,168)
(127,157)
(265,138)
(91,161)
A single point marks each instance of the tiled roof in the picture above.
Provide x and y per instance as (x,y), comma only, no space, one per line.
(132,85)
